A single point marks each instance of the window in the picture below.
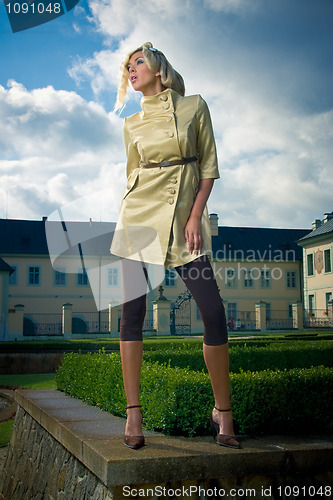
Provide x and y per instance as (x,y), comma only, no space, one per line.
(290,311)
(328,298)
(33,275)
(113,276)
(197,314)
(170,277)
(230,278)
(232,310)
(247,278)
(311,303)
(291,279)
(327,261)
(13,276)
(60,277)
(310,264)
(268,311)
(82,278)
(265,278)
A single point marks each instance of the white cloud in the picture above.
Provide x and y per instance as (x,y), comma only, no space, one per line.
(236,6)
(102,70)
(274,144)
(276,169)
(56,147)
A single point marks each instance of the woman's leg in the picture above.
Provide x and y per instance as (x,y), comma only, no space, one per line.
(199,278)
(131,345)
(131,359)
(217,362)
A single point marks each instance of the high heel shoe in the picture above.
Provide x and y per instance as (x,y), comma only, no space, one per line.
(223,439)
(134,442)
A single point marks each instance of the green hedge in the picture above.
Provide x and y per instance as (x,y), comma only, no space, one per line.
(179,401)
(157,342)
(275,356)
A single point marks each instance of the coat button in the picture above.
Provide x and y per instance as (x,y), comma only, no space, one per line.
(172,191)
(171,134)
(169,119)
(164,97)
(173,180)
(171,201)
(128,186)
(166,105)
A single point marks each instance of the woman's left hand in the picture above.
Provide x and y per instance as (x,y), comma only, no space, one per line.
(193,234)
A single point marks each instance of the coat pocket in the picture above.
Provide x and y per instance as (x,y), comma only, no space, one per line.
(131,182)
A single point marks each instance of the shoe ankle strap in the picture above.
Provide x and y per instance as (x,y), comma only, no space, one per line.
(218,409)
(128,407)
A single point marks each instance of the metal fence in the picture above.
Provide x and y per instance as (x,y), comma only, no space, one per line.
(279,320)
(180,315)
(91,322)
(148,324)
(244,321)
(317,318)
(98,322)
(82,322)
(42,324)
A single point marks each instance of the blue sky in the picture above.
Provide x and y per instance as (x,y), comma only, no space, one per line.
(264,67)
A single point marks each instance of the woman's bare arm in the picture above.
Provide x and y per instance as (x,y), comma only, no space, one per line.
(193,233)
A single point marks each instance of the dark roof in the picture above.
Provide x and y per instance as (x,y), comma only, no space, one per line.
(5,267)
(45,237)
(32,237)
(325,228)
(251,243)
(22,236)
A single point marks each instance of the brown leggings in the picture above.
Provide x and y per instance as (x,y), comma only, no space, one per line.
(199,278)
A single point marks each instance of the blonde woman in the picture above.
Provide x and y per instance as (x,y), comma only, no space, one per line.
(163,220)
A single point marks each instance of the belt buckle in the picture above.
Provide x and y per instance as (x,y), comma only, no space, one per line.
(164,163)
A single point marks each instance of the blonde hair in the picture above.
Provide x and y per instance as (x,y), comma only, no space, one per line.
(156,62)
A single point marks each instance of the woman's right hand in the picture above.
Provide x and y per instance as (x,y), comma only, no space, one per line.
(193,234)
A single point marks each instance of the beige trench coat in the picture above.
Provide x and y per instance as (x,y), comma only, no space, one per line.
(157,202)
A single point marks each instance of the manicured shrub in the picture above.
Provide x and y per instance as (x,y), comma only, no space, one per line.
(96,378)
(275,356)
(178,400)
(282,356)
(290,401)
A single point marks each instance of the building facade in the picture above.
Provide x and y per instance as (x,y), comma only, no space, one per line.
(317,269)
(52,264)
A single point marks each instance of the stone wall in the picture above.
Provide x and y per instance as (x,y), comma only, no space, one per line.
(39,467)
(63,449)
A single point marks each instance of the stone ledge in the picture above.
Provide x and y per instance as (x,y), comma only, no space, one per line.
(95,438)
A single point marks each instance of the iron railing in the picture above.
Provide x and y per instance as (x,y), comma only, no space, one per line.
(279,320)
(42,324)
(180,314)
(244,321)
(317,318)
(91,322)
(148,325)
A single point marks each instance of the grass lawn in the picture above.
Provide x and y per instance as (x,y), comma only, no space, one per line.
(5,432)
(28,381)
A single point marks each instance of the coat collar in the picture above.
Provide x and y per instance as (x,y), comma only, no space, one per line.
(163,103)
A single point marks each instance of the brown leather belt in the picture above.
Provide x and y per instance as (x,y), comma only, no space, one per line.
(170,163)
